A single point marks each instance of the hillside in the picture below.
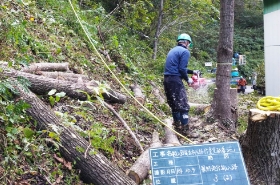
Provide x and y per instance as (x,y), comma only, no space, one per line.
(109,49)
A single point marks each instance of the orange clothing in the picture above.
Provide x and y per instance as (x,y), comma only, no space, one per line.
(242,82)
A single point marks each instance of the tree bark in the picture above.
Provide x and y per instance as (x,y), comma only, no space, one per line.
(224,61)
(231,122)
(95,168)
(200,108)
(139,171)
(46,67)
(260,146)
(138,93)
(42,85)
(160,15)
(63,76)
(170,137)
(157,93)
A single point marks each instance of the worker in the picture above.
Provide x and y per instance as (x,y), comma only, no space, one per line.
(242,84)
(174,72)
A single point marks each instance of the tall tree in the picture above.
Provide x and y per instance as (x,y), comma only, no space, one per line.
(158,29)
(224,63)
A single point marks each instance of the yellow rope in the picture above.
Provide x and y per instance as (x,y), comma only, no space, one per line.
(269,103)
(98,54)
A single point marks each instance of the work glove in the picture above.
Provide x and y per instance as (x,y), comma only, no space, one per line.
(195,72)
(190,81)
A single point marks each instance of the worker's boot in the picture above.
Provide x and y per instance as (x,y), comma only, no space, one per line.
(186,131)
(176,125)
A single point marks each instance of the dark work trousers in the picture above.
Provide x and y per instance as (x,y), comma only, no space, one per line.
(176,98)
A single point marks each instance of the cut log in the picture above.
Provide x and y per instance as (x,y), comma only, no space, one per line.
(260,146)
(42,85)
(138,93)
(32,68)
(200,108)
(170,137)
(157,93)
(95,167)
(140,169)
(63,76)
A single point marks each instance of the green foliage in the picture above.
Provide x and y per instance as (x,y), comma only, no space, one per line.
(260,75)
(55,97)
(48,31)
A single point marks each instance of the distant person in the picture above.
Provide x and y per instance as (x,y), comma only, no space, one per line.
(242,84)
(254,83)
(175,72)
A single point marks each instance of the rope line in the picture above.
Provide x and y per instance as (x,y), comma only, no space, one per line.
(116,78)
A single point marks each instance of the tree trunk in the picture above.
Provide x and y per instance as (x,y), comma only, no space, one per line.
(139,171)
(42,85)
(95,168)
(170,137)
(230,123)
(200,108)
(138,93)
(225,47)
(32,68)
(64,76)
(158,93)
(158,29)
(260,146)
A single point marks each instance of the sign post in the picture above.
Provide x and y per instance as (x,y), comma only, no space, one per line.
(205,164)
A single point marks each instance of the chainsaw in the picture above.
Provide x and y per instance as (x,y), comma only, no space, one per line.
(197,79)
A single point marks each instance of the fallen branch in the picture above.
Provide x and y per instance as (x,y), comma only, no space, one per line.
(126,126)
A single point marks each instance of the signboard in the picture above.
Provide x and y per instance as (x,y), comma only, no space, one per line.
(205,164)
(209,64)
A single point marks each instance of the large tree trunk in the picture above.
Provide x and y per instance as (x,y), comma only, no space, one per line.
(95,168)
(42,85)
(225,47)
(260,147)
(230,123)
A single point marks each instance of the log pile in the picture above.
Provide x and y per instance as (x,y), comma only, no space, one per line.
(76,86)
(95,168)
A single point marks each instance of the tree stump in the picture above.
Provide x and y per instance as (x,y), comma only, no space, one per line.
(261,146)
